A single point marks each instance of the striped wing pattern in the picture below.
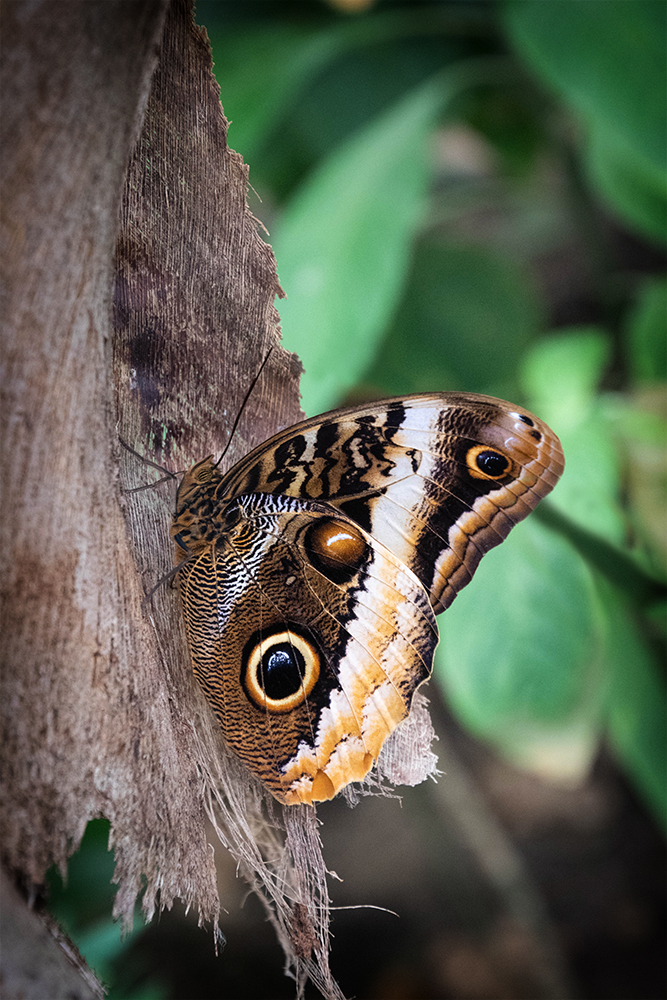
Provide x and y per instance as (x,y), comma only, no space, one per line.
(332,546)
(398,469)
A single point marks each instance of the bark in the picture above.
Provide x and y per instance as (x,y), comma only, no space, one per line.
(38,962)
(100,713)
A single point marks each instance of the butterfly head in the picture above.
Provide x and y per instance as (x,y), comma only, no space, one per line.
(195,481)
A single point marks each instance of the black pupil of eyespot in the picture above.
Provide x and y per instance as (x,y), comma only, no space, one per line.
(491,463)
(282,670)
(526,420)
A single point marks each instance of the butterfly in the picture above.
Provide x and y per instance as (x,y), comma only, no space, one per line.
(311,572)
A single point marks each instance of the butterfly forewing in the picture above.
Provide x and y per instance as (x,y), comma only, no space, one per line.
(406,470)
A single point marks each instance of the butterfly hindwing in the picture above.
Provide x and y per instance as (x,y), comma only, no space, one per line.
(309,640)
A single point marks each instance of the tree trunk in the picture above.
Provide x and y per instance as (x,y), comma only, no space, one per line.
(101,715)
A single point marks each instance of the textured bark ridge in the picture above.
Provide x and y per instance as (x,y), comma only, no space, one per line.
(100,713)
(75,80)
(194,320)
(195,289)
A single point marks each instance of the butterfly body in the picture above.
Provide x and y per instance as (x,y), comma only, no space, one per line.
(312,571)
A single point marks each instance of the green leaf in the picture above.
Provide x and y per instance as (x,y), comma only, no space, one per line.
(521,655)
(639,422)
(343,246)
(464,322)
(637,720)
(101,943)
(647,333)
(310,80)
(563,372)
(88,893)
(629,182)
(261,70)
(560,375)
(629,570)
(608,60)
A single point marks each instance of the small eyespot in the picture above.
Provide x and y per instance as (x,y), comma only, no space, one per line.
(487,463)
(525,419)
(336,548)
(280,669)
(536,435)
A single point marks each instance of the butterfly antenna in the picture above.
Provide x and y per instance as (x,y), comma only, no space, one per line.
(147,461)
(150,486)
(163,579)
(243,406)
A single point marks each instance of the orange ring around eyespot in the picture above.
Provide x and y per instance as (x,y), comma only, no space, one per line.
(474,470)
(311,660)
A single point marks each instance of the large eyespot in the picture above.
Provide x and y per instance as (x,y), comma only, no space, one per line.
(335,548)
(487,463)
(280,669)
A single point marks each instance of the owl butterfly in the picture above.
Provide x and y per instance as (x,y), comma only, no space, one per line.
(312,571)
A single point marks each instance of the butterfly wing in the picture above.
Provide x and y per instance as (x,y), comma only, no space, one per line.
(314,568)
(438,479)
(308,637)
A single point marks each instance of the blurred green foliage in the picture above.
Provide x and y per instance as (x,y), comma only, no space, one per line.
(83,906)
(472,195)
(424,168)
(609,66)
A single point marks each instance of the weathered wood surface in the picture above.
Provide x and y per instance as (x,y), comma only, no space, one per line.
(98,702)
(194,318)
(37,960)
